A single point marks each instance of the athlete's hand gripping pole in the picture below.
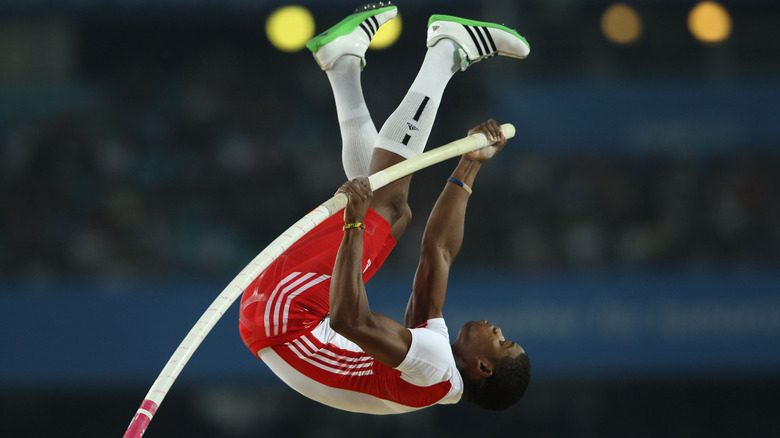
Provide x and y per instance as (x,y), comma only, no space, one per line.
(236,287)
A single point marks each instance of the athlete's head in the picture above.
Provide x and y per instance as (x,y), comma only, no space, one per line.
(495,371)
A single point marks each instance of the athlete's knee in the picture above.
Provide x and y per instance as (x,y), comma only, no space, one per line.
(396,208)
(399,225)
(405,214)
(391,200)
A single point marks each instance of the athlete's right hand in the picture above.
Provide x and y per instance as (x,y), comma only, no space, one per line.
(494,134)
(360,194)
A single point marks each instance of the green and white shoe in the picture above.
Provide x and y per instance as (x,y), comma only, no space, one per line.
(477,40)
(352,35)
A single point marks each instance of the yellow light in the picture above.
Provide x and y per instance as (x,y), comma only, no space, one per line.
(388,34)
(621,24)
(289,28)
(709,22)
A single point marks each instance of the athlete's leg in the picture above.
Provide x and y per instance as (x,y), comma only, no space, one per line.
(340,51)
(453,44)
(406,131)
(358,133)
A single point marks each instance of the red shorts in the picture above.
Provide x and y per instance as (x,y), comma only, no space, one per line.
(291,296)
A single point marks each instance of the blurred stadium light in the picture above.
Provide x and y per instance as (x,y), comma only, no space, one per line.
(289,28)
(710,22)
(621,24)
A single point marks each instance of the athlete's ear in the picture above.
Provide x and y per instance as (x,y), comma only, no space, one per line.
(484,367)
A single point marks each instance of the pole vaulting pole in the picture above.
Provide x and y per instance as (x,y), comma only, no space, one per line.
(236,287)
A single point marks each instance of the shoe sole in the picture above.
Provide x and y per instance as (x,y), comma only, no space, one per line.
(348,25)
(476,23)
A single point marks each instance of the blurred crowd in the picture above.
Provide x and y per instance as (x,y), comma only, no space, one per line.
(198,175)
(143,165)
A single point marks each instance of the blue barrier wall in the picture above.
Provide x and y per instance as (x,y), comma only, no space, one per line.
(572,325)
(638,118)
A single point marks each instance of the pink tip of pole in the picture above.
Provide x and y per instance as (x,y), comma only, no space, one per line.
(141,420)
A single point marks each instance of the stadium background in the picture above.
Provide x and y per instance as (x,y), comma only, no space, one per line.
(629,236)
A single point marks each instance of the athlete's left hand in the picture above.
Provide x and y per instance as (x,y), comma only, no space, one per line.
(360,195)
(494,134)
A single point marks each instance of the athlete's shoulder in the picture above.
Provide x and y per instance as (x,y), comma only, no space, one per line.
(437,325)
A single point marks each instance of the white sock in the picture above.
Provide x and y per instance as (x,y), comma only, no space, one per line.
(344,80)
(358,133)
(406,131)
(358,137)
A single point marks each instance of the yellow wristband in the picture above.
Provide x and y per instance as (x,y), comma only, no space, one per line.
(354,225)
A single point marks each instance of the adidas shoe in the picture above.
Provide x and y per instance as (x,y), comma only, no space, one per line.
(352,35)
(477,40)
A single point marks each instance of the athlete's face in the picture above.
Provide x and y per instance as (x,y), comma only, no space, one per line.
(482,338)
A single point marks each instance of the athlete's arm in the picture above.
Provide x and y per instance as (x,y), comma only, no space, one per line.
(444,232)
(384,339)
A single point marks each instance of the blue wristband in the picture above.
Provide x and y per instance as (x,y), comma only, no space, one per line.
(460,183)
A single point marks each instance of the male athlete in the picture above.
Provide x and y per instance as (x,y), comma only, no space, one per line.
(307,315)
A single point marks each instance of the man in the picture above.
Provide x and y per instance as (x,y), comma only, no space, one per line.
(307,315)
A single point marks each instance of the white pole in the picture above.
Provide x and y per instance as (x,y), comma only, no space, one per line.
(235,288)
